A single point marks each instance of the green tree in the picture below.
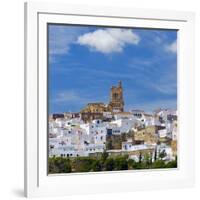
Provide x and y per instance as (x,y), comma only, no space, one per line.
(104,156)
(140,157)
(131,164)
(121,163)
(96,166)
(158,164)
(155,154)
(82,164)
(59,165)
(171,164)
(147,160)
(109,164)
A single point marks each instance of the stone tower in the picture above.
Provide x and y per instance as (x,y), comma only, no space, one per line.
(116,98)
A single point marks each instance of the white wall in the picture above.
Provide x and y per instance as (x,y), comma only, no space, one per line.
(11,87)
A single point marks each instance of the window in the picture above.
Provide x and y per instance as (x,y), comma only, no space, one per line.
(115,95)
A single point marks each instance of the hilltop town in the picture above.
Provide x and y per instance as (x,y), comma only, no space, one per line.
(101,127)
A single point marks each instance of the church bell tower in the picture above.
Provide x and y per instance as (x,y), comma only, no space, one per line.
(116,98)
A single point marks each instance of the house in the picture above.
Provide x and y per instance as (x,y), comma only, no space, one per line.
(148,135)
(123,115)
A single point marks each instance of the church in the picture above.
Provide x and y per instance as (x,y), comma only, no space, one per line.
(96,110)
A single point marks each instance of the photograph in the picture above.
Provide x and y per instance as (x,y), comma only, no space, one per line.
(111,98)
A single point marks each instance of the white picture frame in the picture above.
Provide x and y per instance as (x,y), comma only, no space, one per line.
(37,182)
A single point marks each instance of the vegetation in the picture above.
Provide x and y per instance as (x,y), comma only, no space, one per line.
(59,165)
(106,163)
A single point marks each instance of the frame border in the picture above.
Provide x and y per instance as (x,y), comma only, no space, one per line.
(32,11)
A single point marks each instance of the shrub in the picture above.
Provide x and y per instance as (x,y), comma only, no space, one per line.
(59,165)
(109,164)
(121,163)
(82,164)
(96,166)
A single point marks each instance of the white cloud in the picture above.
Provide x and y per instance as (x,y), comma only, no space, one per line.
(70,96)
(67,96)
(171,47)
(108,40)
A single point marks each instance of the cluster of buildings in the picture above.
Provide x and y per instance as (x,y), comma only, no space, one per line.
(98,126)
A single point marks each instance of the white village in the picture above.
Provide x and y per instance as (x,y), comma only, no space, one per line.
(101,127)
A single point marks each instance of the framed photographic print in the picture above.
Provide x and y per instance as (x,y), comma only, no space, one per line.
(109,99)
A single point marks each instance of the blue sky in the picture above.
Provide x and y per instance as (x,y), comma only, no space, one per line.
(85,61)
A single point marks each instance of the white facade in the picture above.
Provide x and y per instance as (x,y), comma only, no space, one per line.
(72,137)
(123,125)
(127,146)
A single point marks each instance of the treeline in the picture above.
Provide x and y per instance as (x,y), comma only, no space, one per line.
(104,163)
